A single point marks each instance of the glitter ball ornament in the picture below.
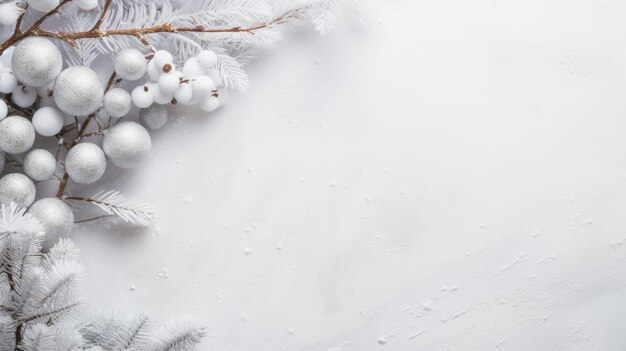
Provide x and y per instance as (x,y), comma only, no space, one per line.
(55,216)
(130,64)
(117,102)
(154,117)
(85,163)
(18,188)
(17,134)
(2,160)
(40,165)
(36,62)
(78,91)
(48,121)
(127,144)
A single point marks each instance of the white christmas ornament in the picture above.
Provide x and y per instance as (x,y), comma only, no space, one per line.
(162,58)
(127,144)
(17,134)
(207,58)
(85,163)
(142,96)
(40,165)
(130,64)
(202,86)
(169,82)
(8,83)
(10,12)
(117,102)
(56,218)
(184,94)
(86,5)
(17,188)
(3,109)
(154,117)
(2,161)
(192,68)
(48,121)
(43,5)
(78,91)
(24,96)
(36,62)
(210,104)
(160,97)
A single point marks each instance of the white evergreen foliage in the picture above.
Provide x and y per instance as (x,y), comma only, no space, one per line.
(39,337)
(180,334)
(114,203)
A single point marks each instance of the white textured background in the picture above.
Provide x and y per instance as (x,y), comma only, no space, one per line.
(452,177)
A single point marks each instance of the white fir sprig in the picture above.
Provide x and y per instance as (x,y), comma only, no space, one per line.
(114,203)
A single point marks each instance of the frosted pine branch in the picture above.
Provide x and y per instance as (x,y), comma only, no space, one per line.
(114,203)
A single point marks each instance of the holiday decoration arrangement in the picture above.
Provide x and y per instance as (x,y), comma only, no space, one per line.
(62,124)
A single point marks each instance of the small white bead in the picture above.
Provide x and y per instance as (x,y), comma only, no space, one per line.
(210,104)
(154,117)
(24,96)
(85,163)
(40,165)
(154,72)
(8,83)
(130,64)
(160,97)
(169,82)
(203,86)
(192,68)
(142,96)
(162,58)
(117,102)
(207,58)
(17,134)
(184,94)
(48,121)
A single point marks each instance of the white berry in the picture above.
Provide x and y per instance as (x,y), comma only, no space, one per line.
(86,5)
(40,165)
(117,102)
(160,97)
(4,109)
(162,58)
(142,96)
(8,83)
(10,12)
(130,64)
(207,58)
(192,68)
(210,104)
(43,5)
(48,121)
(24,96)
(203,86)
(169,82)
(184,94)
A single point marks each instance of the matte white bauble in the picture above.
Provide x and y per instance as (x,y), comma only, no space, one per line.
(10,12)
(43,5)
(117,102)
(127,144)
(160,97)
(86,5)
(24,96)
(78,91)
(17,134)
(169,82)
(8,82)
(17,188)
(56,218)
(130,64)
(207,58)
(36,62)
(184,94)
(192,68)
(154,117)
(40,165)
(85,163)
(210,104)
(4,109)
(142,96)
(48,121)
(2,161)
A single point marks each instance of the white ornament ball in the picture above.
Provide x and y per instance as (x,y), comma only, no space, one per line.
(154,72)
(36,62)
(4,109)
(48,121)
(130,64)
(127,144)
(24,96)
(169,82)
(184,94)
(160,97)
(210,104)
(117,102)
(56,218)
(85,163)
(8,82)
(6,56)
(86,5)
(78,91)
(10,12)
(17,134)
(192,68)
(142,96)
(43,5)
(17,188)
(202,86)
(40,165)
(154,117)
(2,160)
(207,58)
(162,58)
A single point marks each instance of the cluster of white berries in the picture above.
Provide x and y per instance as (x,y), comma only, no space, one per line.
(196,84)
(32,79)
(10,11)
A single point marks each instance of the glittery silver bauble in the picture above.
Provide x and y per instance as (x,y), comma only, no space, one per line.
(127,144)
(78,91)
(17,134)
(117,102)
(130,64)
(36,62)
(40,165)
(85,163)
(18,188)
(56,218)
(1,161)
(154,117)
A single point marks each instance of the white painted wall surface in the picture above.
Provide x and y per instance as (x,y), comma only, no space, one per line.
(452,177)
